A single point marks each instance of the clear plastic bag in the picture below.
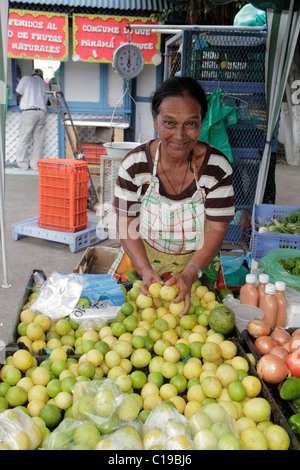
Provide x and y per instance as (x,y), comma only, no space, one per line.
(166,429)
(293,308)
(103,403)
(127,437)
(91,318)
(212,428)
(72,435)
(18,431)
(58,295)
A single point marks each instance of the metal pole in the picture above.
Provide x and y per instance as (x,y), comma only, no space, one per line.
(173,29)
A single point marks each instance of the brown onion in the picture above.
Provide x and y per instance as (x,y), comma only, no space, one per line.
(264,344)
(296,332)
(295,343)
(257,328)
(286,346)
(272,369)
(279,351)
(281,335)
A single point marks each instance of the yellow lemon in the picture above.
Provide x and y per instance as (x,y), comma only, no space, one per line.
(154,290)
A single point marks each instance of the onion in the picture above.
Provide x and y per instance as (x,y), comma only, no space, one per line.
(279,351)
(286,346)
(272,369)
(296,332)
(295,343)
(257,328)
(264,344)
(281,335)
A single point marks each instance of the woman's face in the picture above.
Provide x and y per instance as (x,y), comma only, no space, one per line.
(178,124)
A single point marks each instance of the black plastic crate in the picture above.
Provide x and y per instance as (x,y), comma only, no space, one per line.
(28,290)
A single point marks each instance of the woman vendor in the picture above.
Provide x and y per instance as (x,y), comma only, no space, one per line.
(174,195)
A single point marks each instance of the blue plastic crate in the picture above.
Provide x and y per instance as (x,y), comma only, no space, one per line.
(262,243)
(77,241)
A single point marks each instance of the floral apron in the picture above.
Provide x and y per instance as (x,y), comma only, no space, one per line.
(171,230)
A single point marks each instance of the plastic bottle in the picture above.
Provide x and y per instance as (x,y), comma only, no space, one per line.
(263,280)
(249,292)
(269,305)
(281,303)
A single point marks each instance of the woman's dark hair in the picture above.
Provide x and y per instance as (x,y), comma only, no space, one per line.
(179,86)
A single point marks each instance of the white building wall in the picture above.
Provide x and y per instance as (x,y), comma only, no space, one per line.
(146,85)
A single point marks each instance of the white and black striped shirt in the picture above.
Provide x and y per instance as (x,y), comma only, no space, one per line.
(215,177)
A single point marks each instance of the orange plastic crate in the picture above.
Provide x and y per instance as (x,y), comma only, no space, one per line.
(93,151)
(63,186)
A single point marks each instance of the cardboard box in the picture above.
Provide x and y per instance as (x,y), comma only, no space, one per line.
(96,260)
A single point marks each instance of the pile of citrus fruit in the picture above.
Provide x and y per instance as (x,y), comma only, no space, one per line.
(151,354)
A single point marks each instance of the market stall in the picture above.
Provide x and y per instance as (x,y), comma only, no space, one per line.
(94,364)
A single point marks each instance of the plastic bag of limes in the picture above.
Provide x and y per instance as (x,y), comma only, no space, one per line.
(166,429)
(103,403)
(18,431)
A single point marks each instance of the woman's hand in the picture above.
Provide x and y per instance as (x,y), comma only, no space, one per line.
(149,277)
(184,283)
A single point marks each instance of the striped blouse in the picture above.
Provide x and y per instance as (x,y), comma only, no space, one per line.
(215,177)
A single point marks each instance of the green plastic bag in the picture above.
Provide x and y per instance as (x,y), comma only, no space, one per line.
(213,130)
(270,266)
(249,15)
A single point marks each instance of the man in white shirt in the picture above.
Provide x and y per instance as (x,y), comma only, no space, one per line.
(32,99)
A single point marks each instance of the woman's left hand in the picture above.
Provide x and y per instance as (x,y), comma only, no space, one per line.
(184,283)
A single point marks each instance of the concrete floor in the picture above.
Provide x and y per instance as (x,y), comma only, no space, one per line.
(28,253)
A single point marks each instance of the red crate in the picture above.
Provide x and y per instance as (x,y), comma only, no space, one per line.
(93,151)
(63,186)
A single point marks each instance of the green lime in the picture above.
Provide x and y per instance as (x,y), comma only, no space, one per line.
(53,387)
(130,323)
(180,382)
(58,366)
(138,378)
(127,308)
(118,329)
(191,310)
(203,319)
(22,327)
(87,345)
(149,343)
(183,349)
(68,384)
(138,342)
(4,386)
(200,309)
(51,414)
(224,292)
(193,381)
(236,391)
(207,401)
(143,415)
(102,346)
(195,349)
(241,374)
(156,377)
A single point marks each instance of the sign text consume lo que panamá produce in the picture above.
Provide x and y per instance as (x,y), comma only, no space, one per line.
(96,37)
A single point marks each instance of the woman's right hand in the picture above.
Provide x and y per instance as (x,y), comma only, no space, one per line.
(149,277)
